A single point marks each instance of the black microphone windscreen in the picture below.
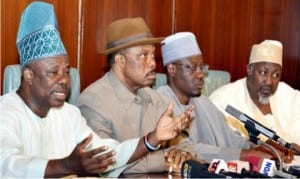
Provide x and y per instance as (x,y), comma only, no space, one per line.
(194,169)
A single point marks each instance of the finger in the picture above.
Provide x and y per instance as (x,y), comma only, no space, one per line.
(169,110)
(105,163)
(82,145)
(103,160)
(96,151)
(171,155)
(190,110)
(179,158)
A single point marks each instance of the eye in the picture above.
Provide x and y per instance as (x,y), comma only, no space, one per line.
(263,73)
(52,72)
(143,55)
(275,75)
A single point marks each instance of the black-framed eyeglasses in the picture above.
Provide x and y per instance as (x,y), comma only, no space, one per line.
(194,68)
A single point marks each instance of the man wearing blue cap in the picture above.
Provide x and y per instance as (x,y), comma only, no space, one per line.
(209,133)
(43,136)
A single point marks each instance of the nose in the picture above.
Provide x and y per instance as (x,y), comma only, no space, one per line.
(152,61)
(269,79)
(65,79)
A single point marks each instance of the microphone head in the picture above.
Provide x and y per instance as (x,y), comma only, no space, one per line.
(217,166)
(237,166)
(191,169)
(254,162)
(194,169)
(267,167)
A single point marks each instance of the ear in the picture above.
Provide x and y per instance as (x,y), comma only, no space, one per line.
(28,75)
(249,71)
(119,60)
(171,69)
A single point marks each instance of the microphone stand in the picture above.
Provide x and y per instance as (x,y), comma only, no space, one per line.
(253,133)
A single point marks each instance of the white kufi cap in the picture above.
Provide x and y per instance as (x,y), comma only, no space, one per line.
(179,45)
(267,51)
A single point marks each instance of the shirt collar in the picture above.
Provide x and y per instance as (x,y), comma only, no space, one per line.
(126,96)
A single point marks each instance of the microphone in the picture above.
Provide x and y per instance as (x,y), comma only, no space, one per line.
(245,169)
(267,168)
(217,166)
(255,127)
(237,166)
(194,169)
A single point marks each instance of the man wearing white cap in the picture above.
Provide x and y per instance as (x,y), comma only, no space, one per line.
(262,96)
(209,134)
(43,136)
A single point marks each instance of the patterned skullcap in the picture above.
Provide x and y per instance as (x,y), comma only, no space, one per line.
(266,51)
(38,35)
(179,45)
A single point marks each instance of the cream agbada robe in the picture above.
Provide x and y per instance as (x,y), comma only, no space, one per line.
(285,106)
(28,142)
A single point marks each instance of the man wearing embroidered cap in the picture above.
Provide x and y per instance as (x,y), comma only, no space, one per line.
(262,96)
(43,136)
(210,135)
(120,104)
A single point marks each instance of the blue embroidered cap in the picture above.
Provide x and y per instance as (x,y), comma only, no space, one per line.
(38,35)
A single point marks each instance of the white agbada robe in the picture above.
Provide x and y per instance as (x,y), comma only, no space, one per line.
(285,106)
(28,142)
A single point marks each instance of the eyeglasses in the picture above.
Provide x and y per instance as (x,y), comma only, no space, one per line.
(194,68)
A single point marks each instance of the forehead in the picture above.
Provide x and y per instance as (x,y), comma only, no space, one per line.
(52,61)
(141,48)
(192,59)
(267,65)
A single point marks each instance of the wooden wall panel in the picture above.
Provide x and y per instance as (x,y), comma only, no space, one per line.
(99,14)
(67,15)
(221,27)
(226,30)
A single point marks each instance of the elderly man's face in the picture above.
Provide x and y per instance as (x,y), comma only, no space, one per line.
(50,81)
(262,80)
(188,76)
(139,66)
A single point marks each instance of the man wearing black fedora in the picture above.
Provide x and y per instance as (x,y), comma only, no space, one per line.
(121,105)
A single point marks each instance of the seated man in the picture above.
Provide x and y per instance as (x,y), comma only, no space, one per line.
(209,134)
(120,105)
(43,136)
(262,96)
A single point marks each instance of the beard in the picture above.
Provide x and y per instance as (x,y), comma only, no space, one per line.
(263,99)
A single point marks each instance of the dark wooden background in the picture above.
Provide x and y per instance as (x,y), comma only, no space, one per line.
(225,29)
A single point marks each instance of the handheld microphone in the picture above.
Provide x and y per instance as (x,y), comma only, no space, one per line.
(237,166)
(256,126)
(217,166)
(194,169)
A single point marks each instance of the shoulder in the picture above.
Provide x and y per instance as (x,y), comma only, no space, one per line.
(100,90)
(11,102)
(287,93)
(155,96)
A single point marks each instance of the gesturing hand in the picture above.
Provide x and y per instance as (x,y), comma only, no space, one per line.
(91,162)
(169,127)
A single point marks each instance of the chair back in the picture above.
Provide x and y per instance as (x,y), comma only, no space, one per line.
(12,80)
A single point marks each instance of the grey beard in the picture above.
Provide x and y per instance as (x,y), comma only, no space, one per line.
(263,100)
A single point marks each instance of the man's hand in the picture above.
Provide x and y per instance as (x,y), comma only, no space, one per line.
(174,159)
(169,127)
(82,162)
